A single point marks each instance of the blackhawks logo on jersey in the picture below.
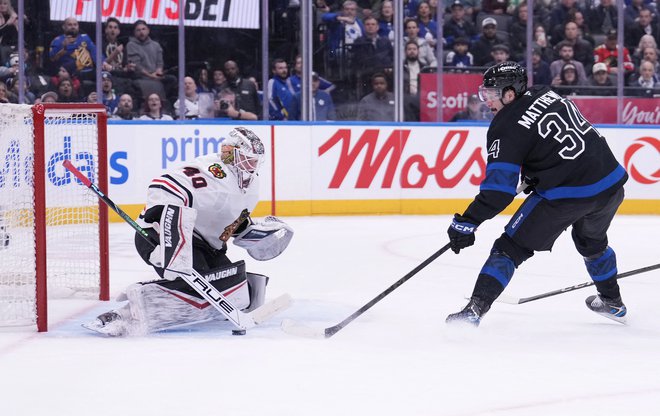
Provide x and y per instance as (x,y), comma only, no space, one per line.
(216,170)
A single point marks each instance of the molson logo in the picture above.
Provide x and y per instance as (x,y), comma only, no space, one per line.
(643,143)
(388,156)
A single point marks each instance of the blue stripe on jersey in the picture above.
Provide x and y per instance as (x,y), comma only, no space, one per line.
(587,190)
(500,267)
(604,267)
(502,177)
(522,214)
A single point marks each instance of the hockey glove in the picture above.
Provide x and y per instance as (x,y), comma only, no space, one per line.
(173,254)
(461,233)
(265,240)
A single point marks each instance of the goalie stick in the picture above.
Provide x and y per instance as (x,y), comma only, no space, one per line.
(292,327)
(196,281)
(517,301)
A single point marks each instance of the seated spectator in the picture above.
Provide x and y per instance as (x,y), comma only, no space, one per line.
(488,38)
(66,71)
(153,109)
(582,50)
(541,41)
(323,108)
(73,47)
(646,41)
(565,51)
(219,81)
(426,53)
(460,57)
(568,82)
(343,29)
(116,58)
(633,8)
(202,80)
(244,89)
(499,53)
(66,93)
(603,17)
(4,94)
(372,53)
(458,26)
(379,104)
(428,27)
(191,111)
(109,98)
(651,54)
(295,80)
(540,68)
(8,24)
(644,26)
(559,13)
(608,54)
(386,21)
(475,111)
(411,68)
(124,109)
(229,107)
(28,96)
(147,56)
(49,97)
(601,80)
(646,82)
(518,33)
(280,94)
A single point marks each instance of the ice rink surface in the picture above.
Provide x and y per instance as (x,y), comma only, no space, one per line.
(549,357)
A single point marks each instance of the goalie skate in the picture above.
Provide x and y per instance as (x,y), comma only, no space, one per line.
(613,309)
(109,323)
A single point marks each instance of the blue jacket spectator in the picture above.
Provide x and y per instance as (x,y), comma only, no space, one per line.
(343,28)
(280,95)
(323,108)
(73,47)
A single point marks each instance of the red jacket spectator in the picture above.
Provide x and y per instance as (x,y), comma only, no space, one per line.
(608,54)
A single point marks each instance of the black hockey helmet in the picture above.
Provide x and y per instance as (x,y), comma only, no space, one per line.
(498,78)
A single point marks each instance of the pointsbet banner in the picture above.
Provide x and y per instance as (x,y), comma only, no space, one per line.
(242,14)
(356,169)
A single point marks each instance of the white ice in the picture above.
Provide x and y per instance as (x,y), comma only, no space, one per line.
(551,357)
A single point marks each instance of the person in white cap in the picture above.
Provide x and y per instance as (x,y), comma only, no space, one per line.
(486,40)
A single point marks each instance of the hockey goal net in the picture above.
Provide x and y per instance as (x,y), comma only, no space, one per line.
(53,231)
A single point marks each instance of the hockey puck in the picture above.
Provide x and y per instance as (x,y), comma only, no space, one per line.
(238,332)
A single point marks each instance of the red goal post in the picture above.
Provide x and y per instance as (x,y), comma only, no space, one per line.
(53,231)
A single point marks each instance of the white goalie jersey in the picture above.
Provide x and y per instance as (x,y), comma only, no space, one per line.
(211,187)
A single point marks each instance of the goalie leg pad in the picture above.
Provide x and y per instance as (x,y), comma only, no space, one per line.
(265,240)
(163,304)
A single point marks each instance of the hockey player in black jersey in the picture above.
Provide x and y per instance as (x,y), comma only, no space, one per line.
(572,178)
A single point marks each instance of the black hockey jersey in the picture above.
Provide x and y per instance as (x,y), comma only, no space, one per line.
(544,138)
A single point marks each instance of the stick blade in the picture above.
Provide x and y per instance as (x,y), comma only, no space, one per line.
(508,299)
(292,327)
(269,309)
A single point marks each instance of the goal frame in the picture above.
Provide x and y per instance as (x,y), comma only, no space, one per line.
(40,113)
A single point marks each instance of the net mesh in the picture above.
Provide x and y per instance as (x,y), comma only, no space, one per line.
(72,212)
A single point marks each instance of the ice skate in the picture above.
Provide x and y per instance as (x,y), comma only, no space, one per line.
(470,315)
(610,308)
(110,323)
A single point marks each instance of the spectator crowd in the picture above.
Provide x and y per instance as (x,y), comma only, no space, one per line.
(574,50)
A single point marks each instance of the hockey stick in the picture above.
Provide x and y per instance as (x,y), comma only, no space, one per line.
(517,301)
(291,327)
(196,281)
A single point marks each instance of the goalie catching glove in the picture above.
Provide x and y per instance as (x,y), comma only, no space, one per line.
(173,254)
(265,240)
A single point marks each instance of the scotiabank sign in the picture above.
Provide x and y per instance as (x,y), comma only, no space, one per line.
(456,90)
(243,14)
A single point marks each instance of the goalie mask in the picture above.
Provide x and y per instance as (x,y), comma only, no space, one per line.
(244,152)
